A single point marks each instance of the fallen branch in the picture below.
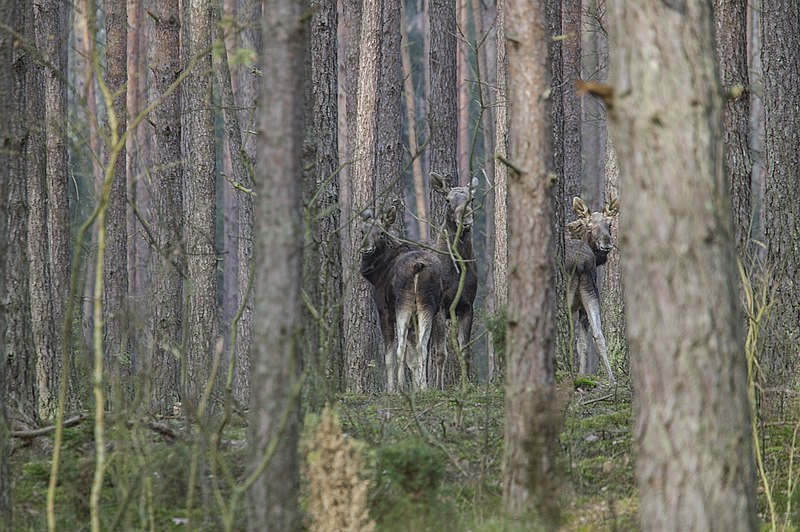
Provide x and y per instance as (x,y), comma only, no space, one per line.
(44,431)
(596,400)
(160,428)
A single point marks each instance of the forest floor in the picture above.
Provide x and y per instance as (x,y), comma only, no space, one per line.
(433,461)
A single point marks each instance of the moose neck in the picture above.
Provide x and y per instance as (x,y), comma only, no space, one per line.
(446,236)
(375,264)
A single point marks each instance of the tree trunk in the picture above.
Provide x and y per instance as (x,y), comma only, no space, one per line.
(694,463)
(251,39)
(500,265)
(361,335)
(115,262)
(443,110)
(322,263)
(51,40)
(531,432)
(780,56)
(200,200)
(275,405)
(594,43)
(463,57)
(168,263)
(613,294)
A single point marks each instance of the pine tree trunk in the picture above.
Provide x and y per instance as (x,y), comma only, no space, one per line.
(531,432)
(780,56)
(275,404)
(200,200)
(115,265)
(613,295)
(168,262)
(683,322)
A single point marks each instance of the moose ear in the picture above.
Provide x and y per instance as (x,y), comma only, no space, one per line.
(580,208)
(367,215)
(388,217)
(474,185)
(577,229)
(611,209)
(439,184)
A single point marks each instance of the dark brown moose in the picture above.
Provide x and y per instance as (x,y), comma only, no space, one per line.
(586,248)
(457,224)
(407,284)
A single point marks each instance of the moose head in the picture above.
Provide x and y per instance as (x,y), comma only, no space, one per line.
(594,228)
(374,229)
(459,201)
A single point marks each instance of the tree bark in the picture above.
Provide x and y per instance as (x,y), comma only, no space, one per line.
(168,262)
(443,110)
(115,262)
(322,263)
(694,463)
(275,405)
(613,294)
(531,432)
(200,214)
(780,56)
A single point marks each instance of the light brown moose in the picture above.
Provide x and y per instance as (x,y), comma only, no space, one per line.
(587,247)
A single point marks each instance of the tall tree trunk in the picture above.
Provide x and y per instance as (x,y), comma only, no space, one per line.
(531,432)
(683,321)
(168,262)
(361,336)
(27,146)
(463,53)
(780,56)
(115,263)
(249,89)
(730,21)
(200,200)
(275,405)
(500,266)
(322,263)
(51,40)
(443,110)
(594,43)
(613,295)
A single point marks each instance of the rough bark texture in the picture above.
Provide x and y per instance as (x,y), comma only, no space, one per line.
(780,56)
(730,21)
(361,335)
(442,114)
(27,145)
(51,40)
(531,414)
(200,215)
(613,294)
(694,464)
(251,39)
(168,263)
(322,263)
(500,267)
(275,405)
(115,264)
(8,16)
(593,122)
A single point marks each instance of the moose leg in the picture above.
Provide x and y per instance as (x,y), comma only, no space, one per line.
(440,345)
(581,339)
(403,316)
(464,334)
(591,304)
(424,326)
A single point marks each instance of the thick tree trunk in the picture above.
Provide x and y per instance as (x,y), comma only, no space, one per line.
(361,336)
(115,263)
(531,411)
(443,111)
(780,56)
(200,214)
(275,405)
(168,262)
(730,21)
(322,250)
(694,461)
(613,295)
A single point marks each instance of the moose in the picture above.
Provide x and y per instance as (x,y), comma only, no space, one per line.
(457,224)
(407,283)
(587,248)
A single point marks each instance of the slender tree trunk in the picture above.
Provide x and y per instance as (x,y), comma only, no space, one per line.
(463,53)
(613,295)
(361,336)
(500,265)
(322,251)
(531,432)
(683,322)
(275,405)
(200,200)
(115,266)
(51,40)
(594,44)
(251,39)
(168,262)
(443,111)
(27,145)
(780,56)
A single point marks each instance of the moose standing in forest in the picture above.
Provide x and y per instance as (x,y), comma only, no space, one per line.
(586,248)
